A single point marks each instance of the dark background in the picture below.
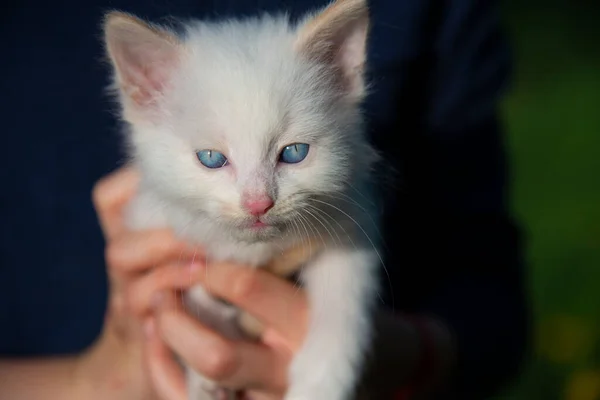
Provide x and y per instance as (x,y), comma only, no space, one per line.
(553,118)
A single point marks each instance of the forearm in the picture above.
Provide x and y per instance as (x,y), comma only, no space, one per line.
(107,370)
(48,379)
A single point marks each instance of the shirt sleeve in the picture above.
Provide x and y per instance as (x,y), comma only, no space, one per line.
(483,301)
(461,244)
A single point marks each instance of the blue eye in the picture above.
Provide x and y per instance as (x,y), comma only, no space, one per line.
(294,153)
(211,158)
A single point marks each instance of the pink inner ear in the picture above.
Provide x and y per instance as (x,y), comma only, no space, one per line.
(339,40)
(145,72)
(144,57)
(144,83)
(351,55)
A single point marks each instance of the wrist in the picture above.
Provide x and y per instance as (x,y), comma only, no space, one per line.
(92,371)
(110,369)
(81,376)
(51,378)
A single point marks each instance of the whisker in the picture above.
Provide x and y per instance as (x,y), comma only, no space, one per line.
(299,234)
(315,228)
(360,194)
(321,222)
(350,200)
(345,197)
(346,233)
(326,283)
(389,279)
(317,210)
(310,253)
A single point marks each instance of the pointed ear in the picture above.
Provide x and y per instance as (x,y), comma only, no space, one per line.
(338,36)
(143,56)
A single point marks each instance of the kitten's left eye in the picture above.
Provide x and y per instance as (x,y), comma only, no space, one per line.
(211,158)
(294,153)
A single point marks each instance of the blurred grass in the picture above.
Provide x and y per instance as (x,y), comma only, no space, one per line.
(553,119)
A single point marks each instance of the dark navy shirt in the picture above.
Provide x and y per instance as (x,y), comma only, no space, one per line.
(438,69)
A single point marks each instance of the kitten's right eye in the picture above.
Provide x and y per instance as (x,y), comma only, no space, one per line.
(211,158)
(294,153)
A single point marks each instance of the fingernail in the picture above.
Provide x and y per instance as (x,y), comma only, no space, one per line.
(149,328)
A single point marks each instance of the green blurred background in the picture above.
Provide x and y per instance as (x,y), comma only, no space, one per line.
(553,118)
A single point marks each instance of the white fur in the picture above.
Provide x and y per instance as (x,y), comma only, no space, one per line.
(247,89)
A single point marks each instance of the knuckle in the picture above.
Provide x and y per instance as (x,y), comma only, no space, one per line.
(135,306)
(129,306)
(163,276)
(157,275)
(164,240)
(119,304)
(156,242)
(220,363)
(99,193)
(114,256)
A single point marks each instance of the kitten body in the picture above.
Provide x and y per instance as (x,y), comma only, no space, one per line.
(249,90)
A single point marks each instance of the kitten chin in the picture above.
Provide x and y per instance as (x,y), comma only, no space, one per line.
(220,242)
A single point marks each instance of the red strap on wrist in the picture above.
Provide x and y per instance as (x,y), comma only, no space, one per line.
(427,360)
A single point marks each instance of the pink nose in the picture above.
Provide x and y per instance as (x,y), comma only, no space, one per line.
(258,206)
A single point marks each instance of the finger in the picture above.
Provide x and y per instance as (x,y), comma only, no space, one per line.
(166,376)
(254,291)
(261,368)
(139,251)
(143,294)
(232,364)
(109,196)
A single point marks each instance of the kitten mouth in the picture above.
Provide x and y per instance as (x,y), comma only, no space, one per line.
(258,224)
(258,230)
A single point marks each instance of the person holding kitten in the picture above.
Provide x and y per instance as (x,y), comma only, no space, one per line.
(455,317)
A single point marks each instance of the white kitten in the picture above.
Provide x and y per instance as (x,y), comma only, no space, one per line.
(249,138)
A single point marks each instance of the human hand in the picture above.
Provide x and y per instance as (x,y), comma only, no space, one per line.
(114,365)
(143,264)
(260,368)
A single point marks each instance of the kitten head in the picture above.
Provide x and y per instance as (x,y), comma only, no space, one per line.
(242,122)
